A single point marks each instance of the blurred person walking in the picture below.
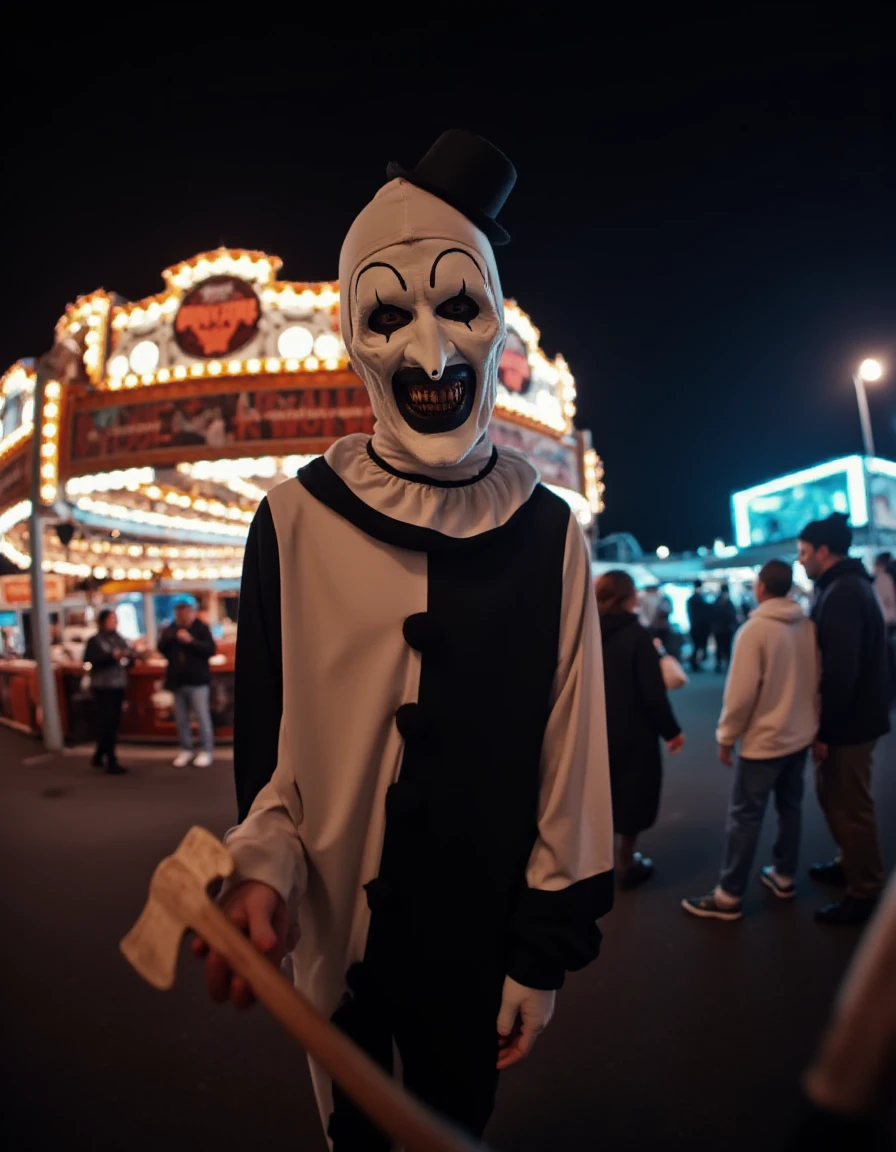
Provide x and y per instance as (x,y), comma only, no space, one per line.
(854,715)
(848,1097)
(771,709)
(638,715)
(700,621)
(648,602)
(661,625)
(188,645)
(724,625)
(885,590)
(109,656)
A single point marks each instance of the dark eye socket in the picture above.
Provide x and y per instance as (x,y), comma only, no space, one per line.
(461,307)
(388,318)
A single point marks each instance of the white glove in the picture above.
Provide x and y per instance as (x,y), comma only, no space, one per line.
(534,1009)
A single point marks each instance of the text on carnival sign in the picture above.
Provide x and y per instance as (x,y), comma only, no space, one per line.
(16,590)
(257,418)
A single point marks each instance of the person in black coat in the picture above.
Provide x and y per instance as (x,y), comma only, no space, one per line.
(188,645)
(855,706)
(724,625)
(638,715)
(700,621)
(108,656)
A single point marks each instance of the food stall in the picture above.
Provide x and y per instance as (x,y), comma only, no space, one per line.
(184,408)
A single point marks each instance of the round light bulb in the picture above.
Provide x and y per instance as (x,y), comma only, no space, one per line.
(295,342)
(870,370)
(118,366)
(327,346)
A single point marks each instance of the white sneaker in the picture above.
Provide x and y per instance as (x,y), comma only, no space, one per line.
(203,760)
(182,759)
(782,886)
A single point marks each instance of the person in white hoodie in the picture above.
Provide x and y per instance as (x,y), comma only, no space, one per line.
(772,709)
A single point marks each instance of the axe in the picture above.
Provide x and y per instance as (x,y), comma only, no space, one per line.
(179,900)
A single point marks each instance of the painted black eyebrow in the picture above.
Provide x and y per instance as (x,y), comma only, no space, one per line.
(448,251)
(380,264)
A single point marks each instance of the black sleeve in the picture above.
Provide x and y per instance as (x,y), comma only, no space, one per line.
(204,644)
(258,687)
(840,642)
(166,641)
(649,678)
(96,655)
(555,932)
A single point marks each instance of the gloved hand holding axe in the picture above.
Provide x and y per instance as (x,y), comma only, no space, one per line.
(179,901)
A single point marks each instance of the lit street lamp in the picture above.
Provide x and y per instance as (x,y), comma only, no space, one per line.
(868,372)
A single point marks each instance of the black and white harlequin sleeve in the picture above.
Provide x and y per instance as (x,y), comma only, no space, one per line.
(569,879)
(265,845)
(258,687)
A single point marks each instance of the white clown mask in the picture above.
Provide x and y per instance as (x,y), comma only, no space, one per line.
(422,317)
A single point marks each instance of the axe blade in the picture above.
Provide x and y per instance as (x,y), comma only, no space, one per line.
(177,892)
(152,945)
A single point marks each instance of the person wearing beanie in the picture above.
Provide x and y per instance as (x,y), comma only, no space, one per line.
(854,715)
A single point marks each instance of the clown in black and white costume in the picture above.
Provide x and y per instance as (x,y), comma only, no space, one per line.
(420,753)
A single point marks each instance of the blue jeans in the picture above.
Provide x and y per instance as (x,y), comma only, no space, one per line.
(193,698)
(754,780)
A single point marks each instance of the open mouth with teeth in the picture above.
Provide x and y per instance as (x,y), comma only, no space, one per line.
(428,405)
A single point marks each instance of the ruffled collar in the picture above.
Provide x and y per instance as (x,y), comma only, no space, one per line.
(481,493)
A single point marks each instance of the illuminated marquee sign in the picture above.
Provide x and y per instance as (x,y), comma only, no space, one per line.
(15,476)
(529,385)
(217,317)
(230,419)
(556,461)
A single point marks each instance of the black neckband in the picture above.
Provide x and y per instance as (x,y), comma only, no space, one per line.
(419,478)
(321,482)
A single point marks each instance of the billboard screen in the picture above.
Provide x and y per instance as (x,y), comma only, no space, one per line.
(781,508)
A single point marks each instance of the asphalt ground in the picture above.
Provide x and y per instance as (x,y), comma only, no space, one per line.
(685,1034)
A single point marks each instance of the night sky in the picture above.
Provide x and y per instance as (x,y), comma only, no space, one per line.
(703,222)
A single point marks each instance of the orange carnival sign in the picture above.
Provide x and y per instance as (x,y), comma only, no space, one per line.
(217,317)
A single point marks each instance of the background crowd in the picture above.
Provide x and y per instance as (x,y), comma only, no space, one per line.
(187,644)
(798,685)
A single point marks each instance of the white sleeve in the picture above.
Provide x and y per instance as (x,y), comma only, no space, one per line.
(267,845)
(569,876)
(575,826)
(742,686)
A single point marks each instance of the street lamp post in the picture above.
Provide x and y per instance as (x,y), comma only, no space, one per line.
(868,372)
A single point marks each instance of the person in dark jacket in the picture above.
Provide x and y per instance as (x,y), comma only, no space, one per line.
(854,714)
(109,656)
(700,621)
(188,645)
(638,714)
(724,625)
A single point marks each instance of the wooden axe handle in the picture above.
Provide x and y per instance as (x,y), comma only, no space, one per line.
(408,1122)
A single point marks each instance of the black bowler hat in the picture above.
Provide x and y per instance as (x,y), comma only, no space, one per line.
(468,173)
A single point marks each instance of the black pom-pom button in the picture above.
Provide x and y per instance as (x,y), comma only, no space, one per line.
(380,895)
(412,722)
(403,801)
(420,632)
